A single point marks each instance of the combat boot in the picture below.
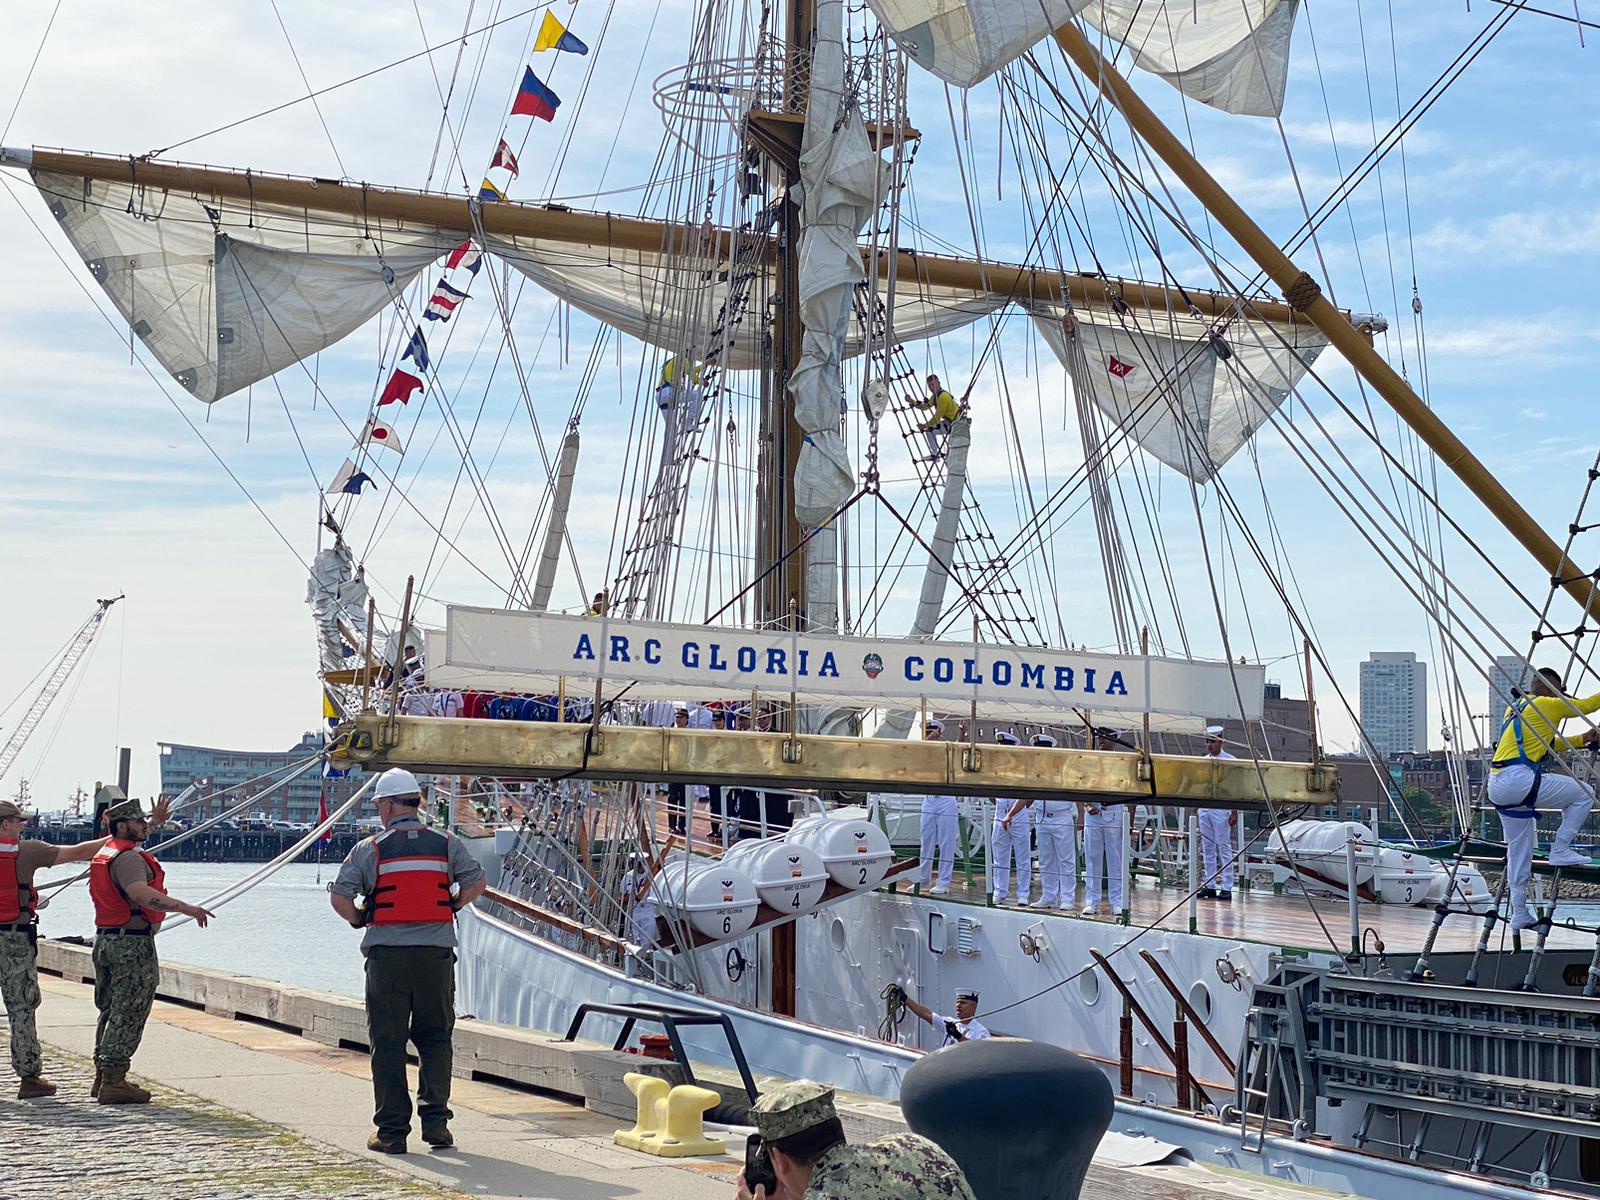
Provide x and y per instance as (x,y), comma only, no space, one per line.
(115,1089)
(35,1087)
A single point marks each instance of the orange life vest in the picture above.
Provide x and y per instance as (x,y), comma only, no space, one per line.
(17,902)
(112,908)
(413,878)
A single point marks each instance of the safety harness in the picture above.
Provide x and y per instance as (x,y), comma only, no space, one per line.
(1526,807)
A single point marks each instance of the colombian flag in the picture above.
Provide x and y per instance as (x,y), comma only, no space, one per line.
(534,99)
(553,35)
(488,191)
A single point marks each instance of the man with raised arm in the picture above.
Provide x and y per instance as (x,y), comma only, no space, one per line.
(20,903)
(1521,785)
(129,891)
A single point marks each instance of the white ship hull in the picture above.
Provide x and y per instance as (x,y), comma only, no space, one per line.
(843,957)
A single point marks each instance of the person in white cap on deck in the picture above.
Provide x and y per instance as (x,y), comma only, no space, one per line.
(1105,831)
(941,826)
(1011,839)
(1216,834)
(963,1027)
(1053,825)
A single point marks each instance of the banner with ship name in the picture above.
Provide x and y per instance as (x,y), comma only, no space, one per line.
(487,649)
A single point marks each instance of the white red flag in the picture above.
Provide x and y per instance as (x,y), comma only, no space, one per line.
(504,158)
(378,434)
(1121,369)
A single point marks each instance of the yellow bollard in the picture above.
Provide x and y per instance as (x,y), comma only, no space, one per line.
(683,1134)
(650,1091)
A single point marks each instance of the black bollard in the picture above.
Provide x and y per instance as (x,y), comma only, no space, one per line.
(1021,1118)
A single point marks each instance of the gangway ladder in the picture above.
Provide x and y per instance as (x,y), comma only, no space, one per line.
(661,514)
(980,565)
(76,649)
(1273,1076)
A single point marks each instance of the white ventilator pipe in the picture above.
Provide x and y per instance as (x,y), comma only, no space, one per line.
(556,531)
(935,579)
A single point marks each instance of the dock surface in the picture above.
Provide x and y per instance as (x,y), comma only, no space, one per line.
(245,1110)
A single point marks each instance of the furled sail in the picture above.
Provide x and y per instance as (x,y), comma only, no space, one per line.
(337,594)
(656,296)
(1231,54)
(1185,390)
(225,294)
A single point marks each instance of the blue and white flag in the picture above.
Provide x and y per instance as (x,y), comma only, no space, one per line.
(417,350)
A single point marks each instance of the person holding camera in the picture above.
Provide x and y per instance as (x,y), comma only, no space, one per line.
(799,1152)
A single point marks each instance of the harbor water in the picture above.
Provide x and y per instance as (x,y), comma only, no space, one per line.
(282,929)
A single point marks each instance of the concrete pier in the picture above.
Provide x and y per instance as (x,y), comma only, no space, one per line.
(246,1110)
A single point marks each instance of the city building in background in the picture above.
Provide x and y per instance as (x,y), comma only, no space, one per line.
(1394,702)
(216,769)
(1509,671)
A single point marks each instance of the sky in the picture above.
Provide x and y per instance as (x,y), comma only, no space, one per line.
(106,486)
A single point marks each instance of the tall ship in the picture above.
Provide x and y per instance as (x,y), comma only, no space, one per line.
(868,488)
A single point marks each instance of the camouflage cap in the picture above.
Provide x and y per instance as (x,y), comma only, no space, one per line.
(125,810)
(792,1108)
(8,809)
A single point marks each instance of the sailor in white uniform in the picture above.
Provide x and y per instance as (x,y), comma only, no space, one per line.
(1216,834)
(963,1027)
(1011,838)
(639,898)
(1105,834)
(941,827)
(1053,826)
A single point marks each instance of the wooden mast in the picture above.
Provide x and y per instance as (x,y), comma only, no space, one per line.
(398,207)
(784,591)
(1305,295)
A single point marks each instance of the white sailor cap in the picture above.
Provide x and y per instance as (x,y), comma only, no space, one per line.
(1042,739)
(933,723)
(1005,737)
(1214,731)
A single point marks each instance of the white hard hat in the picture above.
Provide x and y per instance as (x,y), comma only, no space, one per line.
(396,782)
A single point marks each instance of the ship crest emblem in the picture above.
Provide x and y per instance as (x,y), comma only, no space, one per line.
(872,664)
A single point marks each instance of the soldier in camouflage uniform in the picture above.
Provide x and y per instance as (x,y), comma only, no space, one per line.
(812,1161)
(20,903)
(128,888)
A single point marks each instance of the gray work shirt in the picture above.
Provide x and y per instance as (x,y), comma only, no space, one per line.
(359,875)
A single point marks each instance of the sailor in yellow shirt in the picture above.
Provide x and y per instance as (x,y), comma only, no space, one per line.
(679,395)
(945,410)
(1521,785)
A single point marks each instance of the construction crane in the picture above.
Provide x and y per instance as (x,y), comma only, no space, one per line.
(76,649)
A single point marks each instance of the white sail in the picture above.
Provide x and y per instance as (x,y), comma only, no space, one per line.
(225,295)
(1166,382)
(656,296)
(1231,54)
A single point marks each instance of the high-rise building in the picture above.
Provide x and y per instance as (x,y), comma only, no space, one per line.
(1394,702)
(216,769)
(1509,671)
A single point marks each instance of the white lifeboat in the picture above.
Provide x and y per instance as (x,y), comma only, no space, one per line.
(788,876)
(855,852)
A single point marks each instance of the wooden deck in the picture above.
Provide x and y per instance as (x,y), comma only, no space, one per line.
(1254,915)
